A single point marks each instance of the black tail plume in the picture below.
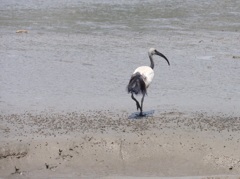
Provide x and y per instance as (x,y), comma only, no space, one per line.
(137,85)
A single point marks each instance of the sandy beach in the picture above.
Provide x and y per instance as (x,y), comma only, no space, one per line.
(64,109)
(102,145)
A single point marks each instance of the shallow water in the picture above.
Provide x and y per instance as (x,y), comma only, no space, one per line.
(80,55)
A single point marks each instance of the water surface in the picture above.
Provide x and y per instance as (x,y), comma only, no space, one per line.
(79,55)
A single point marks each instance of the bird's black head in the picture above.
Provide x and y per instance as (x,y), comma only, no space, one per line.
(153,51)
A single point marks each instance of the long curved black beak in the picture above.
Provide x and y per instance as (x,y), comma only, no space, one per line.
(161,55)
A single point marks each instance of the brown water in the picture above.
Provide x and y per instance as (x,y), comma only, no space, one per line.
(80,55)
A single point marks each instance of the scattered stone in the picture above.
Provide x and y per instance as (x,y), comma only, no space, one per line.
(47,166)
(60,152)
(50,167)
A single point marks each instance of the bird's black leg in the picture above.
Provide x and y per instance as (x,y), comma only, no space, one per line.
(137,103)
(141,114)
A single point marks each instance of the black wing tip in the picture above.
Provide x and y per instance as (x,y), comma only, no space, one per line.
(136,84)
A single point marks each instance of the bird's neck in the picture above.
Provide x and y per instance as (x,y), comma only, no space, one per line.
(151,60)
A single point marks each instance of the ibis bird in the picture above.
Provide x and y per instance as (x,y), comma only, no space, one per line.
(142,78)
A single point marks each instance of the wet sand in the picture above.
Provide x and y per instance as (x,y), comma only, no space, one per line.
(106,144)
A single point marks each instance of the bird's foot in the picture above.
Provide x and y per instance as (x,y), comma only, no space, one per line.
(141,114)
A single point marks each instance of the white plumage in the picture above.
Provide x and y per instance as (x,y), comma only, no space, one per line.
(142,78)
(147,73)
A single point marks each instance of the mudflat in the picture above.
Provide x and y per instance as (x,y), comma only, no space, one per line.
(101,144)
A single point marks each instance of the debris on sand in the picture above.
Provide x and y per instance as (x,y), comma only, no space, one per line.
(17,171)
(236,57)
(22,31)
